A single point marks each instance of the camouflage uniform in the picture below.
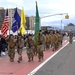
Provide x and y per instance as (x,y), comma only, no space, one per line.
(54,42)
(20,45)
(70,38)
(58,40)
(35,49)
(40,47)
(44,42)
(30,47)
(50,38)
(61,39)
(47,41)
(11,47)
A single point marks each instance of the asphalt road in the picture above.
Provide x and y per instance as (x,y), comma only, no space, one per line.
(61,64)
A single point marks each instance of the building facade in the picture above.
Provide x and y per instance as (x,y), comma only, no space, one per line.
(27,23)
(69,27)
(44,28)
(31,22)
(2,15)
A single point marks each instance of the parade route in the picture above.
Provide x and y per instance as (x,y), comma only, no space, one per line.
(25,67)
(61,64)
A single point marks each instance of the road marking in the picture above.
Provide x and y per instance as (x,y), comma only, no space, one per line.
(37,68)
(73,40)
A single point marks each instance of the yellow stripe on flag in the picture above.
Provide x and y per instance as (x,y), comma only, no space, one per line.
(23,22)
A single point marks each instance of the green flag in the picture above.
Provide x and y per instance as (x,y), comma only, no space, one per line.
(36,25)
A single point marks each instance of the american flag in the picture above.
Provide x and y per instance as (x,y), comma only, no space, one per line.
(4,27)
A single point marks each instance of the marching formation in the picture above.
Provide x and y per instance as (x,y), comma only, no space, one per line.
(48,40)
(35,44)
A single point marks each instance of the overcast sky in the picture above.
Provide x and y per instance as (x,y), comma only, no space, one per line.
(45,7)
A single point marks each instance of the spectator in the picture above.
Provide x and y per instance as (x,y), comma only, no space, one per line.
(0,45)
(4,45)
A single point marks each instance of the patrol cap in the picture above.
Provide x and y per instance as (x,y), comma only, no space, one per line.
(40,30)
(30,35)
(11,34)
(19,34)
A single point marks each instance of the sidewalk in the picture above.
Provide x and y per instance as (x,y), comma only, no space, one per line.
(23,68)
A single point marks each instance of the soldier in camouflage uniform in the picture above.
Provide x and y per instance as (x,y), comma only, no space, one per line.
(20,45)
(40,46)
(30,47)
(51,33)
(47,41)
(44,42)
(61,39)
(54,41)
(11,47)
(58,40)
(70,38)
(50,38)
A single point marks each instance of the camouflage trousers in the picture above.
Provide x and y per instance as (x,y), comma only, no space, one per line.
(11,53)
(40,49)
(54,46)
(35,50)
(59,43)
(70,40)
(30,53)
(47,45)
(19,51)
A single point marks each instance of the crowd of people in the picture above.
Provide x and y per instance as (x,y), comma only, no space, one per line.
(48,40)
(3,46)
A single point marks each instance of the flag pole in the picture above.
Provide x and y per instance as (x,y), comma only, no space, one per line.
(8,18)
(9,30)
(17,25)
(17,30)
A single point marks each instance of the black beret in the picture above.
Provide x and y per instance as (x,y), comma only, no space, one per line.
(19,34)
(11,34)
(40,30)
(30,35)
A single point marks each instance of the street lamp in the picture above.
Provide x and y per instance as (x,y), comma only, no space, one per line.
(66,16)
(61,24)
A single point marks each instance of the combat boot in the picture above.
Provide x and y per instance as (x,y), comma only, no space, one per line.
(18,61)
(12,60)
(29,60)
(32,58)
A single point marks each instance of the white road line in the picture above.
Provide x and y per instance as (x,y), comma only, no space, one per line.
(65,40)
(37,68)
(73,40)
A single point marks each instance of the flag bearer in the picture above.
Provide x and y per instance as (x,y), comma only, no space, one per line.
(30,47)
(11,47)
(40,46)
(20,45)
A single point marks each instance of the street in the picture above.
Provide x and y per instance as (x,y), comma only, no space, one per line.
(25,67)
(61,64)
